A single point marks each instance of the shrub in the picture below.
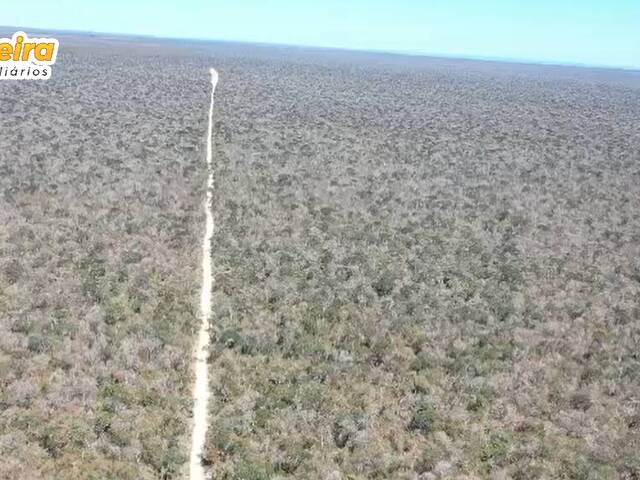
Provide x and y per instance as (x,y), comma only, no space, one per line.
(425,418)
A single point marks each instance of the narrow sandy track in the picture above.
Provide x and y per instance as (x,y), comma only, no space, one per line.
(201,387)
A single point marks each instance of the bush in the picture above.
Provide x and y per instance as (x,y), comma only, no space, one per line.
(425,419)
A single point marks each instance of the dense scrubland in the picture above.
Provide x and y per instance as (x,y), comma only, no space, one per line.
(425,269)
(102,182)
(422,268)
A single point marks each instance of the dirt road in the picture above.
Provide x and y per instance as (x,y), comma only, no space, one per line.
(201,387)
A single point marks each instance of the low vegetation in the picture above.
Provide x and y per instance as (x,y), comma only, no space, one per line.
(425,270)
(101,212)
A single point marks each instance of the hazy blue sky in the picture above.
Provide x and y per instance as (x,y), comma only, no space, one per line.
(594,32)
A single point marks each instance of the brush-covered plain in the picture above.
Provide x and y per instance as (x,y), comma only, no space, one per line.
(102,180)
(425,269)
(422,268)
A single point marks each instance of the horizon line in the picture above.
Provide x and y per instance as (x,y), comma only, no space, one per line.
(401,52)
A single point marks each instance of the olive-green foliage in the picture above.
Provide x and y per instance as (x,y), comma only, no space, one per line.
(423,269)
(101,212)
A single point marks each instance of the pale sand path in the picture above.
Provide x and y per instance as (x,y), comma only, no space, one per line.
(201,387)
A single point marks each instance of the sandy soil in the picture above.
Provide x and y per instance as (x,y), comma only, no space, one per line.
(201,387)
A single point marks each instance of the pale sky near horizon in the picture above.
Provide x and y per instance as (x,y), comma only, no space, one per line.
(588,32)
